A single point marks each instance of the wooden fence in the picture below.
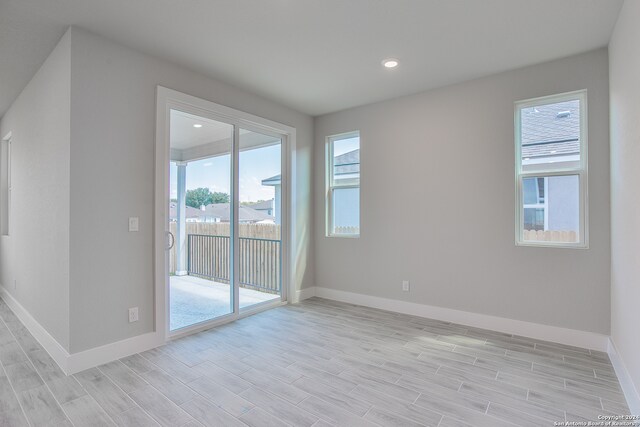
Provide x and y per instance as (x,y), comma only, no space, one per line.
(347,230)
(550,236)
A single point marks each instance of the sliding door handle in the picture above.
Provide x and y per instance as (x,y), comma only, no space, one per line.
(171,240)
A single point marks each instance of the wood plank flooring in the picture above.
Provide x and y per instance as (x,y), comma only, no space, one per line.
(318,363)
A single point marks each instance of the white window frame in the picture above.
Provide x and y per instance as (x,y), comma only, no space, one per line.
(330,185)
(581,171)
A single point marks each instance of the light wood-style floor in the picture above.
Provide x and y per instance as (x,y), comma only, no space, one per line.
(317,363)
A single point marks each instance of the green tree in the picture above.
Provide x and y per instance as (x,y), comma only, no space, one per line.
(203,196)
(219,197)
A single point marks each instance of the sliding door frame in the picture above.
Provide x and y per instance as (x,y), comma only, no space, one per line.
(167,100)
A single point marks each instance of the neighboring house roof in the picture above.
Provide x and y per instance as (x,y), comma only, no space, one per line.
(347,163)
(264,205)
(551,149)
(274,180)
(552,129)
(221,210)
(190,212)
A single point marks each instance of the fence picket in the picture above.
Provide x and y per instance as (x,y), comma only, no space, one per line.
(550,236)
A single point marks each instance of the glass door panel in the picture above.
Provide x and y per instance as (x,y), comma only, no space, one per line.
(200,215)
(260,219)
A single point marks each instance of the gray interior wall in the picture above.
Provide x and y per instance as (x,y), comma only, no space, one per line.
(438,202)
(625,187)
(35,256)
(112,178)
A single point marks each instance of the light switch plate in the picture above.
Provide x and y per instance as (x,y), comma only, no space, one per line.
(134,224)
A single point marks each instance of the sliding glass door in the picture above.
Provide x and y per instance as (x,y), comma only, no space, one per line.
(225,219)
(260,242)
(200,287)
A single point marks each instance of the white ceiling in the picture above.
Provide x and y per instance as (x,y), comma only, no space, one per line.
(212,138)
(316,56)
(183,135)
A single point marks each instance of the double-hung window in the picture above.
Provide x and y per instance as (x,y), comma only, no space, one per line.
(343,185)
(551,171)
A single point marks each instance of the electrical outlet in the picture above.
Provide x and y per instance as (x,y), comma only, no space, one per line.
(134,223)
(133,314)
(405,285)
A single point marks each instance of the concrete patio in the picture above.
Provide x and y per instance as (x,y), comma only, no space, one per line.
(194,300)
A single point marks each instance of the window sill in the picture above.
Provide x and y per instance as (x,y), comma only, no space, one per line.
(558,245)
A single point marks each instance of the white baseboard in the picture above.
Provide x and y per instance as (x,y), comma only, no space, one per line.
(626,382)
(86,359)
(556,334)
(53,347)
(76,362)
(305,293)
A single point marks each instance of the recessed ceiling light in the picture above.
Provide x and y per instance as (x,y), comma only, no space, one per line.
(197,125)
(390,63)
